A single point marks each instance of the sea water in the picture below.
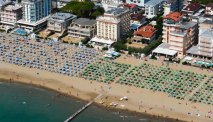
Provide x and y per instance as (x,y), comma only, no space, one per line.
(26,103)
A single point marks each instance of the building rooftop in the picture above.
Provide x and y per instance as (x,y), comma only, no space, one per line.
(146,31)
(108,19)
(84,21)
(186,25)
(192,7)
(13,7)
(207,34)
(62,16)
(153,2)
(164,49)
(193,50)
(208,22)
(116,11)
(4,2)
(130,6)
(137,17)
(176,16)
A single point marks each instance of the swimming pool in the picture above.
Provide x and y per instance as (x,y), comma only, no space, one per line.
(20,31)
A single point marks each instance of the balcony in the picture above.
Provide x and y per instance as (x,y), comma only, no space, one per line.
(176,44)
(176,33)
(209,50)
(210,54)
(205,41)
(175,48)
(205,45)
(176,39)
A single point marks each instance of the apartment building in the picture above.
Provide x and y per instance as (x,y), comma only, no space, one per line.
(179,35)
(59,22)
(35,14)
(172,6)
(110,26)
(205,45)
(123,15)
(140,3)
(205,25)
(10,13)
(153,7)
(82,27)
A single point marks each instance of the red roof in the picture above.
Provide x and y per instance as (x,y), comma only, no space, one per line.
(130,5)
(176,16)
(146,31)
(193,7)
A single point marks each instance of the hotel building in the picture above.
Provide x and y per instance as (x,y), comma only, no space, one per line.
(204,49)
(59,22)
(35,14)
(179,35)
(82,27)
(205,45)
(112,25)
(10,13)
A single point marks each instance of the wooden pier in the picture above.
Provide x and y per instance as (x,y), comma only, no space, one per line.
(81,110)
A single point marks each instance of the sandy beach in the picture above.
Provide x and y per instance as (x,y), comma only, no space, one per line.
(139,100)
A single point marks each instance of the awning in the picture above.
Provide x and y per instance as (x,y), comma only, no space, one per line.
(102,40)
(162,49)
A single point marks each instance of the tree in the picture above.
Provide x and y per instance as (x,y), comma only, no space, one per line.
(205,2)
(119,46)
(95,14)
(85,40)
(85,9)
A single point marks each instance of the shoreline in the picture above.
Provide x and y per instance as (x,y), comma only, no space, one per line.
(95,103)
(87,90)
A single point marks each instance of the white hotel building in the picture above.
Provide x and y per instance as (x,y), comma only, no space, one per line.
(10,13)
(111,26)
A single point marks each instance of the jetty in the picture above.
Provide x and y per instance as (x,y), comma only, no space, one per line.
(81,110)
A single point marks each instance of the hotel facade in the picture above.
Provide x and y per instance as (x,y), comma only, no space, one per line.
(10,13)
(35,14)
(82,27)
(114,23)
(205,45)
(59,22)
(179,35)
